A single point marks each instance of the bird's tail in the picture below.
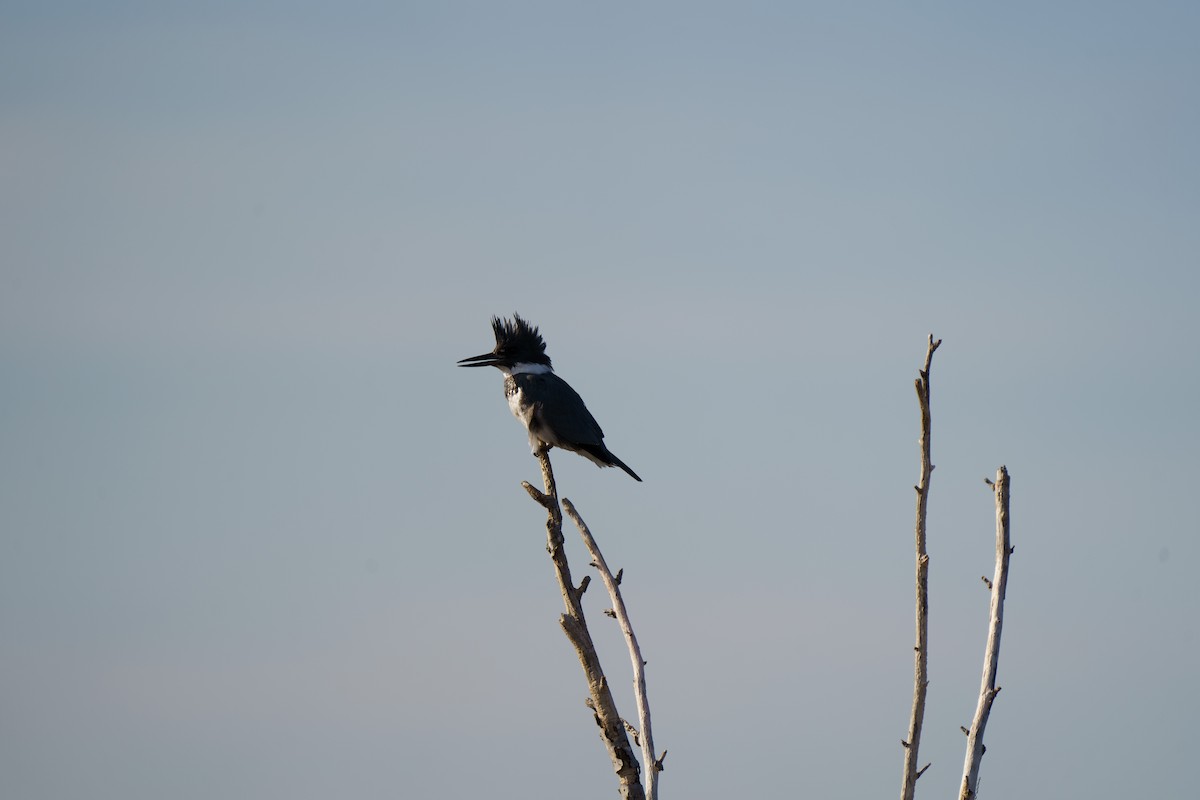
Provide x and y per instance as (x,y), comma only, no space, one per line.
(603,457)
(613,461)
(616,462)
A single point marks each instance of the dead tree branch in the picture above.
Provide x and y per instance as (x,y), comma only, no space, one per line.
(646,737)
(574,625)
(921,649)
(991,659)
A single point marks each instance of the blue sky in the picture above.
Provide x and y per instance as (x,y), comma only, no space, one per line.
(261,538)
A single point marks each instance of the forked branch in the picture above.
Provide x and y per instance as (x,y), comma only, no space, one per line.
(574,625)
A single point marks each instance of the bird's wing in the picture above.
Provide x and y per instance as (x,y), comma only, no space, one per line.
(561,409)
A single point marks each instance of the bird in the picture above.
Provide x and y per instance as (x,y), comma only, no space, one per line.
(552,412)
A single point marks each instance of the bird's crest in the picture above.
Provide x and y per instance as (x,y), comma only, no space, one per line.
(518,336)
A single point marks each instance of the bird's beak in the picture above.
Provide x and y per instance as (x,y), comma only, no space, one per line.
(485,360)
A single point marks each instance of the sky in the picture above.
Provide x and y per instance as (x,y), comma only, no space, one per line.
(260,538)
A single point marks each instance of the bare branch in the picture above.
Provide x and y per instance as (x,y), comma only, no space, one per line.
(991,659)
(921,654)
(574,625)
(611,582)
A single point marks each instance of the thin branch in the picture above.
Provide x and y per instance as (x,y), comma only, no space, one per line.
(612,583)
(612,727)
(991,659)
(921,655)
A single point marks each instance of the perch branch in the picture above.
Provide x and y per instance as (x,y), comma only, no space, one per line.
(611,582)
(921,650)
(574,625)
(991,658)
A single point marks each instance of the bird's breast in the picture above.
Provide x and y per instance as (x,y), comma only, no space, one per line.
(518,404)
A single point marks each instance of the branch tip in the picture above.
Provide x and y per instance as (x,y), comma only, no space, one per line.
(537,494)
(921,771)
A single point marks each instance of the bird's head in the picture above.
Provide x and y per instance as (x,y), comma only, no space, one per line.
(517,342)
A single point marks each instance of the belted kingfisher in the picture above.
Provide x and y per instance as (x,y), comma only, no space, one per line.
(553,413)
